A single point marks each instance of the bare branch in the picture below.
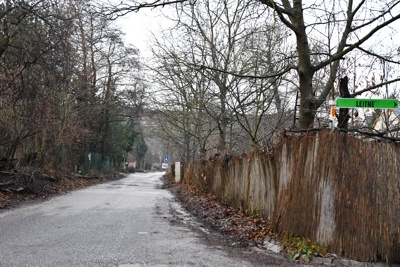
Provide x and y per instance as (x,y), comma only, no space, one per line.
(351,47)
(382,15)
(374,87)
(280,73)
(281,12)
(117,11)
(377,56)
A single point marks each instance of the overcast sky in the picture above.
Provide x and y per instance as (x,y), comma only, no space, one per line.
(138,27)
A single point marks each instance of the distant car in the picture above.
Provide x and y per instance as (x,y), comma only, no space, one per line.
(164,166)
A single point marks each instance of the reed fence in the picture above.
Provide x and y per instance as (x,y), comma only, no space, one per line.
(331,187)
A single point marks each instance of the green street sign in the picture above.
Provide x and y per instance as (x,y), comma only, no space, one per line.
(367,103)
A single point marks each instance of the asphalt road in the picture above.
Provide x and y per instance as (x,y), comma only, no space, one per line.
(129,222)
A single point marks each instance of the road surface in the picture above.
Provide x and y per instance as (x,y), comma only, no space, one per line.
(129,222)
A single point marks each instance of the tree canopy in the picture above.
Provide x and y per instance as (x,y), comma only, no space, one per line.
(229,75)
(64,76)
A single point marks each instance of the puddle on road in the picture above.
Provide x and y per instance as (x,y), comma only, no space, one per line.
(180,215)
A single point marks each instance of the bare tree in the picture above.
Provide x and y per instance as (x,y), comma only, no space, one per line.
(228,46)
(260,106)
(221,32)
(28,60)
(61,66)
(125,7)
(337,29)
(180,101)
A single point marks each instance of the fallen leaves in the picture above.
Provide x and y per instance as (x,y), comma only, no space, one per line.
(26,186)
(242,227)
(234,223)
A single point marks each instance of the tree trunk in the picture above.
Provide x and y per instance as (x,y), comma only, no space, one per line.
(343,118)
(304,68)
(223,121)
(307,111)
